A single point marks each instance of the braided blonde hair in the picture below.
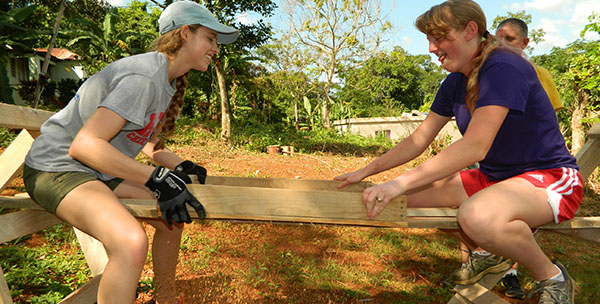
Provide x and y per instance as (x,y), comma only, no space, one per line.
(170,43)
(455,14)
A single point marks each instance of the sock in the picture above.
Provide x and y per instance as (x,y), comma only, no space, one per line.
(559,277)
(511,271)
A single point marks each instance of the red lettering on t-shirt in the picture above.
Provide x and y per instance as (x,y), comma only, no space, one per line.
(141,136)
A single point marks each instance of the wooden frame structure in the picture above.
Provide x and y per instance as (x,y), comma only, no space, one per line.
(251,199)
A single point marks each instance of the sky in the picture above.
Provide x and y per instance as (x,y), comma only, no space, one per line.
(562,20)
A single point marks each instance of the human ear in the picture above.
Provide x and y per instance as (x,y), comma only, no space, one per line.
(471,30)
(525,42)
(184,32)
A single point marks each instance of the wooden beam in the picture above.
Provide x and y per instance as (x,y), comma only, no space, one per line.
(12,159)
(286,183)
(19,117)
(336,207)
(232,203)
(588,158)
(589,234)
(93,250)
(25,222)
(5,297)
(86,294)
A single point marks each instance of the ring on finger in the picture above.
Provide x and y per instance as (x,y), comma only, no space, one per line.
(379,200)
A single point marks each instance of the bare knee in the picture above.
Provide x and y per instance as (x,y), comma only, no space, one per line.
(129,246)
(478,223)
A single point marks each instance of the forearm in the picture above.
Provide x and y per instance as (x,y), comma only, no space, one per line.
(102,156)
(405,151)
(163,157)
(454,158)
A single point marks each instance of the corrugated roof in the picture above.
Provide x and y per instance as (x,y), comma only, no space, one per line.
(60,54)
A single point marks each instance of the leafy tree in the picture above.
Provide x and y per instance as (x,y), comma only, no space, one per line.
(584,69)
(339,32)
(535,35)
(17,38)
(391,83)
(138,18)
(575,69)
(103,43)
(251,37)
(289,77)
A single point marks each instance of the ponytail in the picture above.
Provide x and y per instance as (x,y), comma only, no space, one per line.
(486,47)
(167,126)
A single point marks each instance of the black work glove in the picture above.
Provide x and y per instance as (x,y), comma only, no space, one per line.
(169,189)
(189,168)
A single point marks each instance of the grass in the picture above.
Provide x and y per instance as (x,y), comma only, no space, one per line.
(228,262)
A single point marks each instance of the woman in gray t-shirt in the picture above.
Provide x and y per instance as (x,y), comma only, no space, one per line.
(84,160)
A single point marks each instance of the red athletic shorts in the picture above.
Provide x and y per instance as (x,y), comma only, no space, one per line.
(563,185)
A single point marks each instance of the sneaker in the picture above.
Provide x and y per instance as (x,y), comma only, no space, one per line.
(555,292)
(478,266)
(512,287)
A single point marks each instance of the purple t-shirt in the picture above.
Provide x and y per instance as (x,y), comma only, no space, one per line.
(529,138)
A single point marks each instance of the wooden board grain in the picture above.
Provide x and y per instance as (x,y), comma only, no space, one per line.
(5,297)
(12,159)
(18,117)
(25,222)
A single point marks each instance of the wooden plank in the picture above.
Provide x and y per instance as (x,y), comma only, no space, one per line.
(21,223)
(5,297)
(594,132)
(293,205)
(479,294)
(589,234)
(93,250)
(12,159)
(588,158)
(415,217)
(19,117)
(285,183)
(458,299)
(86,294)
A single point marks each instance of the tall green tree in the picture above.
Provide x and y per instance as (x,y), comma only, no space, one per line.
(341,33)
(575,69)
(584,69)
(290,73)
(17,38)
(391,83)
(102,42)
(251,36)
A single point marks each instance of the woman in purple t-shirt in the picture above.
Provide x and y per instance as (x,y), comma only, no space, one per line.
(527,177)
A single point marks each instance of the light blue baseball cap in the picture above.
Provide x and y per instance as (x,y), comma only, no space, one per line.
(180,13)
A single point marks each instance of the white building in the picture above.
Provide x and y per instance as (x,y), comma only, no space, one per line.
(394,128)
(63,64)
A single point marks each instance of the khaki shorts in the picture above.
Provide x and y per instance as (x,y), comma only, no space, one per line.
(48,189)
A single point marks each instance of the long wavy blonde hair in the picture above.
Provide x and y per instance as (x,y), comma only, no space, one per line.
(170,43)
(455,14)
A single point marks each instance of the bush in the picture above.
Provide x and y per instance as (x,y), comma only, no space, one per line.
(6,137)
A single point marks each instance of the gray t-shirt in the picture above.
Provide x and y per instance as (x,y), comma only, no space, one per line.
(136,88)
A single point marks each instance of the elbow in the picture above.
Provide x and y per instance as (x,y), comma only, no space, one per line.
(78,148)
(479,153)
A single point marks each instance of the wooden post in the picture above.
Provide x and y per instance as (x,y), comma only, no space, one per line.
(12,159)
(5,297)
(86,294)
(93,250)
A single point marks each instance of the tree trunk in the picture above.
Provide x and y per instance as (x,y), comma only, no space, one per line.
(44,72)
(325,107)
(296,116)
(577,132)
(225,110)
